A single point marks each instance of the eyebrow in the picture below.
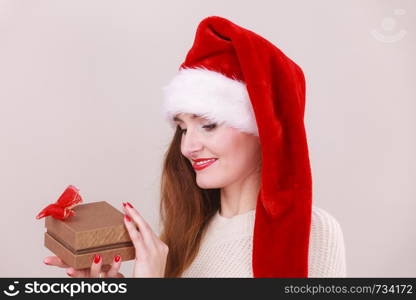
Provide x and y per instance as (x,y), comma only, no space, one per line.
(179,120)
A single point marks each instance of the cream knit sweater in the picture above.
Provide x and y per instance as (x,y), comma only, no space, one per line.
(226,247)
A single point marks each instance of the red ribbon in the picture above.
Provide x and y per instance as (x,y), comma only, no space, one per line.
(62,208)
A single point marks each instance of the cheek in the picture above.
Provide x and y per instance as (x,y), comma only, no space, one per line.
(235,159)
(232,145)
(241,153)
(236,155)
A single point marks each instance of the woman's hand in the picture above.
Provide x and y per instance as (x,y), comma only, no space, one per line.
(151,252)
(96,270)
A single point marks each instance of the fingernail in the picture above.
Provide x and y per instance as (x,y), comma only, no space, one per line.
(69,272)
(128,219)
(46,262)
(128,203)
(124,204)
(117,258)
(97,258)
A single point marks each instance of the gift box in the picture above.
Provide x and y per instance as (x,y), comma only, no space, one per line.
(94,228)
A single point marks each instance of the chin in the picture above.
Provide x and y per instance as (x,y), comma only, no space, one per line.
(207,185)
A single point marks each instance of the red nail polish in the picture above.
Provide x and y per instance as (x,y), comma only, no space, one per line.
(128,219)
(128,203)
(124,204)
(97,258)
(117,258)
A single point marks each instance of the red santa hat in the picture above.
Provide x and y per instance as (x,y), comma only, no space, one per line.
(232,75)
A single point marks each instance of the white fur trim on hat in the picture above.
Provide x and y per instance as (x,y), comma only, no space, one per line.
(211,95)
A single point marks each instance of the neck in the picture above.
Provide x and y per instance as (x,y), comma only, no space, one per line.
(240,197)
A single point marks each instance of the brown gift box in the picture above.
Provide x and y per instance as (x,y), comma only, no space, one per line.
(96,228)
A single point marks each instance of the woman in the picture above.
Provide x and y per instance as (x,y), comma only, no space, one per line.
(236,188)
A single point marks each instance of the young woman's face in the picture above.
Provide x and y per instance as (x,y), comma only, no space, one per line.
(237,154)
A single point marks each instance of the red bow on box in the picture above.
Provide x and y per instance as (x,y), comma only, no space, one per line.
(62,208)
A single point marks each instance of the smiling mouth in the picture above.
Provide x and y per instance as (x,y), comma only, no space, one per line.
(202,165)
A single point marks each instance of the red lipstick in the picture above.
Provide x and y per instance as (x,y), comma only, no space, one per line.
(200,166)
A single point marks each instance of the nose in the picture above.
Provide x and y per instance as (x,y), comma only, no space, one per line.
(191,143)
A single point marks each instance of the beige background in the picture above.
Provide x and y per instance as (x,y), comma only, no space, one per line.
(80,92)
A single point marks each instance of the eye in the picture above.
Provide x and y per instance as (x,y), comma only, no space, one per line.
(210,126)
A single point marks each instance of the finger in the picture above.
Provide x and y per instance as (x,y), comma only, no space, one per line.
(135,235)
(96,266)
(149,237)
(105,268)
(119,275)
(55,261)
(115,267)
(77,273)
(144,227)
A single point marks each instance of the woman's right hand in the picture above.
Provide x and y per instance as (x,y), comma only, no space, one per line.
(96,270)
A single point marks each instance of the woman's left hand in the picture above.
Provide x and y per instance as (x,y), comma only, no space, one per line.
(151,252)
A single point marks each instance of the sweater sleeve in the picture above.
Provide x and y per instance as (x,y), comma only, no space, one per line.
(326,247)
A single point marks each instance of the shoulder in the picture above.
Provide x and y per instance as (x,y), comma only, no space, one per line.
(326,246)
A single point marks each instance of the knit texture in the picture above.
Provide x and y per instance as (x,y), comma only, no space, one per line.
(227,244)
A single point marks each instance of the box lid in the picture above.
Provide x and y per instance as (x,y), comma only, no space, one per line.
(93,225)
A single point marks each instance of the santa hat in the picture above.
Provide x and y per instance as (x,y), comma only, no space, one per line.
(234,76)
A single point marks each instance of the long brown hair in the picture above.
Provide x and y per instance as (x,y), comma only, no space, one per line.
(185,209)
